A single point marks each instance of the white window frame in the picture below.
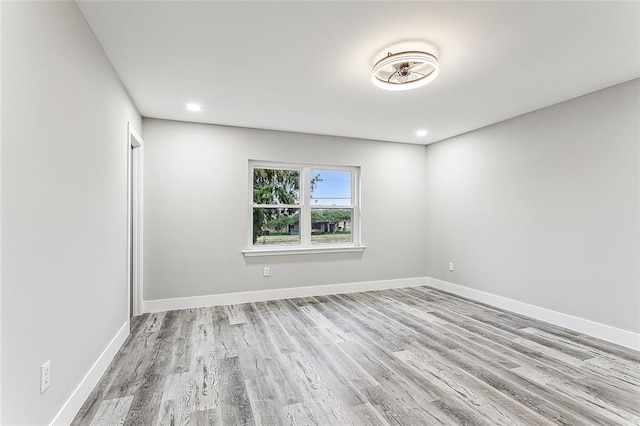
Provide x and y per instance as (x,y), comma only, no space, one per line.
(305,246)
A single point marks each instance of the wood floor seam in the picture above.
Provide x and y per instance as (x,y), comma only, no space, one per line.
(413,356)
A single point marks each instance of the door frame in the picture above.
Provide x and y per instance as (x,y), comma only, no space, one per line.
(135,156)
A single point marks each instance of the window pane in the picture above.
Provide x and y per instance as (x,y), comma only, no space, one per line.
(330,188)
(276,186)
(330,226)
(276,226)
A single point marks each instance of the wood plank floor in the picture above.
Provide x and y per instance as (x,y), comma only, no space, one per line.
(413,356)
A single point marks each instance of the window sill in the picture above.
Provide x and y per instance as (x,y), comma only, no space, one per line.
(256,252)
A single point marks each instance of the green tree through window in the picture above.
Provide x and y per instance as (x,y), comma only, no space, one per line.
(303,205)
(274,187)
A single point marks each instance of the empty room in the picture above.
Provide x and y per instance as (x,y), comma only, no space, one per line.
(319,213)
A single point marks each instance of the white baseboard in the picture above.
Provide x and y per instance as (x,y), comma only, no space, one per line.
(605,332)
(276,294)
(615,335)
(71,407)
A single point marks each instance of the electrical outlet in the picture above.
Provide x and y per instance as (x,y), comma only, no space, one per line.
(451,266)
(266,271)
(45,376)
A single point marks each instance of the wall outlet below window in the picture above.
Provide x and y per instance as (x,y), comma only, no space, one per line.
(45,376)
(451,266)
(266,271)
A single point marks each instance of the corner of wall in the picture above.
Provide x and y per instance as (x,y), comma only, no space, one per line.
(1,213)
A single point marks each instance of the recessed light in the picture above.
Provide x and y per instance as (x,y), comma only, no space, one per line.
(421,132)
(193,107)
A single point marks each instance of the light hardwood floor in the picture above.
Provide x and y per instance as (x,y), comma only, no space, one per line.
(410,357)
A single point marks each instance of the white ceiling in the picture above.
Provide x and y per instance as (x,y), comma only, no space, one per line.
(305,66)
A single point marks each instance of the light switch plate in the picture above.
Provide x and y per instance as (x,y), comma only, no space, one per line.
(45,376)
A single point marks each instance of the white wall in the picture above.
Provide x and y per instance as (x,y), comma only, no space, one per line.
(196,198)
(64,133)
(1,42)
(545,208)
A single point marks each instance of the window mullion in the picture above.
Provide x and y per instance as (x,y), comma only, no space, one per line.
(305,214)
(355,201)
(276,206)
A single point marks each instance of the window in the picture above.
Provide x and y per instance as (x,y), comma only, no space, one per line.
(301,208)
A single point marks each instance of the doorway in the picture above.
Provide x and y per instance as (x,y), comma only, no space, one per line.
(135,228)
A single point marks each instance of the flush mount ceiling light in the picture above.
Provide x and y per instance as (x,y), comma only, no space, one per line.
(405,70)
(193,107)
